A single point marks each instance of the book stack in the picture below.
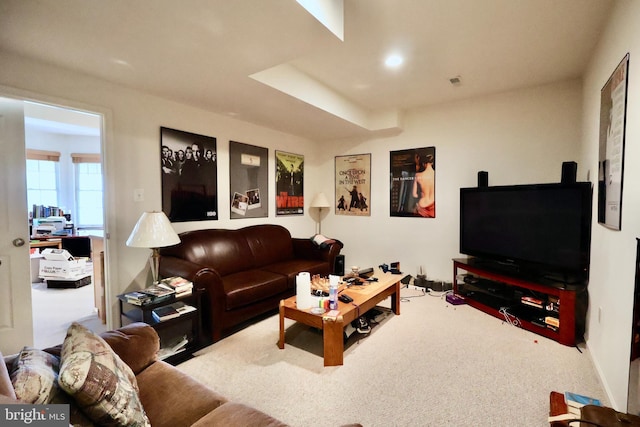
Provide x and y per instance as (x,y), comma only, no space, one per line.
(138,298)
(575,402)
(159,293)
(180,285)
(171,311)
(533,302)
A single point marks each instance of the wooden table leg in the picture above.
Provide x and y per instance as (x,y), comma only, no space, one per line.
(332,335)
(281,340)
(395,299)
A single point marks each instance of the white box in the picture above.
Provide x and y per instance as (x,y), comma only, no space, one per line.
(57,254)
(62,269)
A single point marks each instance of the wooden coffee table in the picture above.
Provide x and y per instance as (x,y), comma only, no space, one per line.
(365,297)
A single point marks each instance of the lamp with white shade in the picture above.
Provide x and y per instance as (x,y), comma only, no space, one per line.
(320,201)
(153,230)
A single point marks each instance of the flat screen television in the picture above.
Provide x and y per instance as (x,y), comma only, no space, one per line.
(538,229)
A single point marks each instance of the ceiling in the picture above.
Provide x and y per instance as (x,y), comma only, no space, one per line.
(272,63)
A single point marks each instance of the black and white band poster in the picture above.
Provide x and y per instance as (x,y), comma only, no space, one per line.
(353,185)
(413,183)
(613,113)
(289,183)
(248,180)
(189,176)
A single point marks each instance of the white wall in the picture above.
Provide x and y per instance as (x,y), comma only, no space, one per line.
(613,253)
(518,137)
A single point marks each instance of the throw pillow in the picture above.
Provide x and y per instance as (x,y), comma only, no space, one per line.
(322,241)
(34,376)
(102,385)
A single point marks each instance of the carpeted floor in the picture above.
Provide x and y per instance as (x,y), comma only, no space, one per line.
(55,309)
(433,365)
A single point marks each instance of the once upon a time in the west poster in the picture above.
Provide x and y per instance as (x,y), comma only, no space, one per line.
(189,176)
(289,183)
(353,185)
(413,183)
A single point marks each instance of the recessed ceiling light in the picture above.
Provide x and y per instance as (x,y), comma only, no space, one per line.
(394,61)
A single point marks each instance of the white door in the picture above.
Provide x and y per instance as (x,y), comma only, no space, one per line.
(16,323)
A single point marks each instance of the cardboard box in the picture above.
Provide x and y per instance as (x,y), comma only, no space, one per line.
(63,269)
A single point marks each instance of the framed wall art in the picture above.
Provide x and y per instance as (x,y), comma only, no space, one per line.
(613,117)
(413,183)
(353,185)
(289,183)
(248,180)
(189,176)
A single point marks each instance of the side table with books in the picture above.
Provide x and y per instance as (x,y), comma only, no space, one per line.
(176,317)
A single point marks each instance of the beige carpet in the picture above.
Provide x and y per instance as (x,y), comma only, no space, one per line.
(55,309)
(433,365)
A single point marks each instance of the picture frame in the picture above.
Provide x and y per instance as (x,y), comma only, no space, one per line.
(413,182)
(353,185)
(613,118)
(248,180)
(188,164)
(289,183)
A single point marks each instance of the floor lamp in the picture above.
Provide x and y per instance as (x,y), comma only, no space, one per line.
(153,230)
(320,201)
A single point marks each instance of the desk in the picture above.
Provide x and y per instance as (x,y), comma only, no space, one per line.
(49,243)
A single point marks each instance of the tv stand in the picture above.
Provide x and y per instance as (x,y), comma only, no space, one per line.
(549,309)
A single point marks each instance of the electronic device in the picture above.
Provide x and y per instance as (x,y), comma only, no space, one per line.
(538,229)
(365,273)
(345,298)
(483,179)
(455,299)
(569,172)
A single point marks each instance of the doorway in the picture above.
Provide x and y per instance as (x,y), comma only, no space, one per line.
(64,194)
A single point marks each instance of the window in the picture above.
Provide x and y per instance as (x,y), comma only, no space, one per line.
(42,178)
(88,190)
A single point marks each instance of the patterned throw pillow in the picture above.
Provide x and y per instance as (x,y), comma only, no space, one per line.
(34,376)
(102,385)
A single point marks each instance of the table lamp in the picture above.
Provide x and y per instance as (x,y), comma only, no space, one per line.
(320,201)
(153,230)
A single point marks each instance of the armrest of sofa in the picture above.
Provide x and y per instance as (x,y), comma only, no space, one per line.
(306,249)
(203,278)
(137,344)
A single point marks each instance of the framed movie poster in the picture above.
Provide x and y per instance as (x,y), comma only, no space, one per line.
(289,183)
(189,176)
(613,117)
(413,183)
(248,180)
(353,185)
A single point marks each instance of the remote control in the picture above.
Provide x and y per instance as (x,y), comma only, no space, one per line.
(345,298)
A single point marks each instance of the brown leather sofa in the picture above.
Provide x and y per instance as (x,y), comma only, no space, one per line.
(246,272)
(169,397)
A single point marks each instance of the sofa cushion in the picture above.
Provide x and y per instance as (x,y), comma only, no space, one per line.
(226,251)
(291,268)
(247,287)
(102,385)
(137,345)
(34,376)
(269,243)
(233,414)
(172,398)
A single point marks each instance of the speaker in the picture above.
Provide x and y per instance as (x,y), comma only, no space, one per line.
(569,172)
(338,266)
(483,179)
